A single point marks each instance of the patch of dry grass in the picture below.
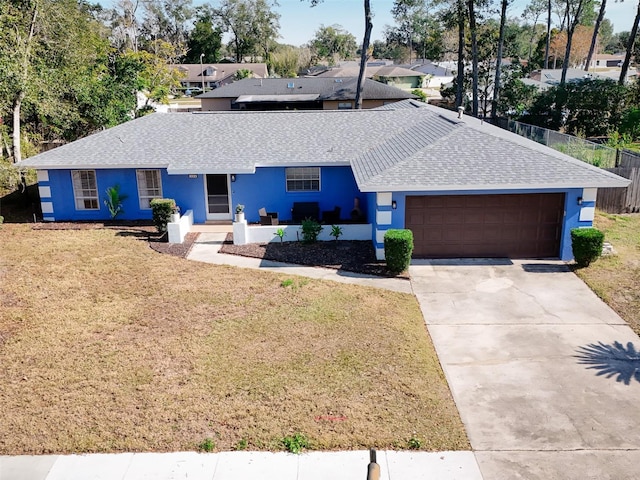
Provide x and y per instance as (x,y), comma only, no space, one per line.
(106,345)
(616,278)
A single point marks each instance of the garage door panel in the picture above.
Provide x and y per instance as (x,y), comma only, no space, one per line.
(518,225)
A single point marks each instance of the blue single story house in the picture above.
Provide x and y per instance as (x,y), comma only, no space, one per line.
(464,187)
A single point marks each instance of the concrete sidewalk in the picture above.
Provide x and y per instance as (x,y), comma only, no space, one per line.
(207,246)
(241,465)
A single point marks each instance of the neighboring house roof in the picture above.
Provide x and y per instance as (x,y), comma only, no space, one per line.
(535,83)
(553,76)
(430,68)
(407,146)
(370,72)
(324,88)
(216,72)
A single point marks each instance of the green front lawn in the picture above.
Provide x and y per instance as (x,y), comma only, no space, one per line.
(106,346)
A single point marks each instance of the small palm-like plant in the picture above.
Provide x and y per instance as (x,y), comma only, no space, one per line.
(114,200)
(336,231)
(280,233)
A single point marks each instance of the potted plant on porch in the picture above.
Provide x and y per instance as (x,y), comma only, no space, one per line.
(239,213)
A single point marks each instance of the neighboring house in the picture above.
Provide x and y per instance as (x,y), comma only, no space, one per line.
(299,94)
(436,76)
(605,60)
(215,75)
(391,75)
(464,187)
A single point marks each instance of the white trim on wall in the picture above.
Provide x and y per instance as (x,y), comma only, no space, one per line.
(383,199)
(47,207)
(589,194)
(45,192)
(587,214)
(43,175)
(383,218)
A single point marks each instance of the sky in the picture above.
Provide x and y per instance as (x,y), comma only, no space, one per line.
(299,21)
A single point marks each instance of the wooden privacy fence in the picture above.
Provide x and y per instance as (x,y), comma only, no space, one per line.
(625,199)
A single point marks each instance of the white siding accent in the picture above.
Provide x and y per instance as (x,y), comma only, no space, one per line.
(589,194)
(48,219)
(380,254)
(587,214)
(383,218)
(43,175)
(45,192)
(384,199)
(380,236)
(47,207)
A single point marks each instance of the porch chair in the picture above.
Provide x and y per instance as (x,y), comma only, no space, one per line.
(268,218)
(331,216)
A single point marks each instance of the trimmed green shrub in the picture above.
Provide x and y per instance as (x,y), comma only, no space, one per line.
(310,230)
(162,209)
(398,246)
(586,244)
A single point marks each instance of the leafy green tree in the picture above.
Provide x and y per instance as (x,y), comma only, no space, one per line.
(589,107)
(166,20)
(287,61)
(515,97)
(205,39)
(52,55)
(332,43)
(156,79)
(252,25)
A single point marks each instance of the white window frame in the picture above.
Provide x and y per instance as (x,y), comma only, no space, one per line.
(302,179)
(85,189)
(147,193)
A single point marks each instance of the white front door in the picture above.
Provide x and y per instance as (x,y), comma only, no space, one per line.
(218,197)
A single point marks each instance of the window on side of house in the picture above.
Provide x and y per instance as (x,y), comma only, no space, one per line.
(149,187)
(85,189)
(303,179)
(345,105)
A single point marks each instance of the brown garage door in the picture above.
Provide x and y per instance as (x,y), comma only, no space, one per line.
(515,226)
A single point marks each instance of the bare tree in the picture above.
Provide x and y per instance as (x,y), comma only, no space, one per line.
(474,55)
(573,13)
(364,56)
(630,44)
(496,86)
(594,38)
(460,14)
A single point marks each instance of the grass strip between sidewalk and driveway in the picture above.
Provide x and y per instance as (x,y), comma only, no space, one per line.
(616,278)
(108,346)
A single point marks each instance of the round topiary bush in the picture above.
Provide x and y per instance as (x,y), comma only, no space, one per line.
(398,246)
(586,244)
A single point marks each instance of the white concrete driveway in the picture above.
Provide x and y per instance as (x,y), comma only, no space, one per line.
(545,375)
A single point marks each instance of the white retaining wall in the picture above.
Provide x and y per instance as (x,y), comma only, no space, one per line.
(178,230)
(243,233)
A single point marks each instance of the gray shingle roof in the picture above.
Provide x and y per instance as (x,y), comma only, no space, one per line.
(326,88)
(406,146)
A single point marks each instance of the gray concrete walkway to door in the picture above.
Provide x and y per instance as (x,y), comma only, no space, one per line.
(545,375)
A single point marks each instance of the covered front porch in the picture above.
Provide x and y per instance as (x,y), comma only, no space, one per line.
(244,232)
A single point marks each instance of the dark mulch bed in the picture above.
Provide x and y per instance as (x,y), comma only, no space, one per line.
(144,230)
(349,255)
